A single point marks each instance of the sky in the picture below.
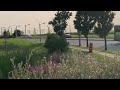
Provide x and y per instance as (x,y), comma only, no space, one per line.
(22,18)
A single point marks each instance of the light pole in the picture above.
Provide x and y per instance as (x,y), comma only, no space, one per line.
(11,31)
(34,32)
(25,28)
(70,29)
(48,29)
(1,30)
(40,29)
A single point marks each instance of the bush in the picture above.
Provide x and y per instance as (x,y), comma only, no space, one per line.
(6,34)
(11,36)
(17,33)
(55,43)
(117,36)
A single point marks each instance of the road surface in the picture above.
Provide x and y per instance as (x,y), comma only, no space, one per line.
(97,43)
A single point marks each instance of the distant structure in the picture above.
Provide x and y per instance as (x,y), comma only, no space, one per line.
(117,32)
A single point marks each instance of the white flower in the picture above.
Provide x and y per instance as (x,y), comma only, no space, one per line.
(44,57)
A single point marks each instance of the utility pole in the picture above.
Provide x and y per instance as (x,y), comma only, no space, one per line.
(11,31)
(25,30)
(40,31)
(1,31)
(70,29)
(48,29)
(16,31)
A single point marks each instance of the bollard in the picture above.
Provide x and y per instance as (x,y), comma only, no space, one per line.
(90,47)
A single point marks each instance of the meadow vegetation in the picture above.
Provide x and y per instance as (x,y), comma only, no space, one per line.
(25,59)
(74,64)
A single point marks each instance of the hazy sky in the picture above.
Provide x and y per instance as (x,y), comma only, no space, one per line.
(8,18)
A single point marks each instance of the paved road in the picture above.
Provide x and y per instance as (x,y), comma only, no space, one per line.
(98,43)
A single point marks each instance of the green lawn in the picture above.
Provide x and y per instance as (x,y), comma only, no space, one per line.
(101,50)
(75,35)
(20,50)
(37,37)
(110,36)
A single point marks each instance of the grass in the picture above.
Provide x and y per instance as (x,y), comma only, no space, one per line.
(110,36)
(23,59)
(19,49)
(101,50)
(37,37)
(75,65)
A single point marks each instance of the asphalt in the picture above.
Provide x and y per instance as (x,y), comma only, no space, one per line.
(91,39)
(97,43)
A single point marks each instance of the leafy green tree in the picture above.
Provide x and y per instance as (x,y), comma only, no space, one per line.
(59,22)
(17,33)
(6,34)
(84,22)
(104,24)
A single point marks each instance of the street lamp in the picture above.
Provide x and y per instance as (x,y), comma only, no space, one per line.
(48,29)
(70,29)
(40,29)
(25,28)
(2,30)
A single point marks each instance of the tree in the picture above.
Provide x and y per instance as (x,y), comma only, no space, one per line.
(59,22)
(6,34)
(17,33)
(84,22)
(104,24)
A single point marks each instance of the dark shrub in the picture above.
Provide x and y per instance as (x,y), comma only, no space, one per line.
(55,43)
(6,34)
(17,33)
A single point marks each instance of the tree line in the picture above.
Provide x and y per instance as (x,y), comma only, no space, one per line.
(101,22)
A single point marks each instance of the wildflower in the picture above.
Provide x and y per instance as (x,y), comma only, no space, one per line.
(29,66)
(89,76)
(44,57)
(105,65)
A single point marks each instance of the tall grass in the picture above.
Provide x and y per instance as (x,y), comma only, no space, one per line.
(19,50)
(74,65)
